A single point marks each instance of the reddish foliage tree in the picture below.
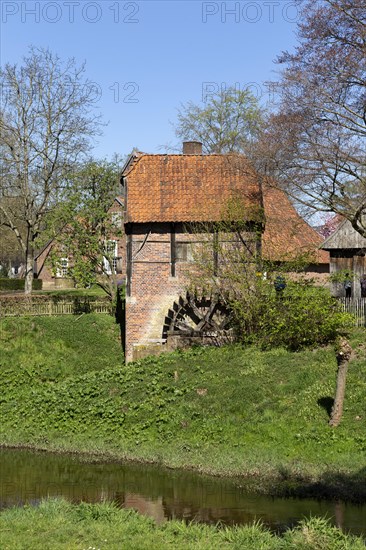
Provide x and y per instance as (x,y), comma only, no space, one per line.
(315,144)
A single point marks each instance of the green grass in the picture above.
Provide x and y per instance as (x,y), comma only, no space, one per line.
(49,350)
(55,524)
(73,292)
(229,411)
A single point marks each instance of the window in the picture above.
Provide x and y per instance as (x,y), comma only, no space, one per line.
(62,269)
(110,262)
(111,248)
(183,252)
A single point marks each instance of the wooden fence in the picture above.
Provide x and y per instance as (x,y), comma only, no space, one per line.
(38,308)
(78,306)
(357,307)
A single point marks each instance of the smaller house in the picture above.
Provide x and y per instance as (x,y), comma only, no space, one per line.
(347,250)
(60,278)
(51,279)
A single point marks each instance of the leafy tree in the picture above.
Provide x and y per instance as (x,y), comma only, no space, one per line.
(82,226)
(315,143)
(46,126)
(228,121)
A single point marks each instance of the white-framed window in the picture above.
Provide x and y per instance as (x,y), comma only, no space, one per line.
(110,262)
(62,269)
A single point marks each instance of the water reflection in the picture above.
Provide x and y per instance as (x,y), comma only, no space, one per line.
(28,477)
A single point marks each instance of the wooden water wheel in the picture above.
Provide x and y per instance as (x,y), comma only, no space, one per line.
(199,316)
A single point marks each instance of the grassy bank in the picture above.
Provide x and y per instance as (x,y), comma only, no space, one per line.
(229,411)
(59,525)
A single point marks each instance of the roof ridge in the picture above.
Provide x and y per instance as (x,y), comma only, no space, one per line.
(189,155)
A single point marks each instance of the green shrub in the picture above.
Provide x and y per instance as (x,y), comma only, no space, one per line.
(301,315)
(18,284)
(11,284)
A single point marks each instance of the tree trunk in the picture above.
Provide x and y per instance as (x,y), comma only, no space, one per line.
(343,356)
(28,284)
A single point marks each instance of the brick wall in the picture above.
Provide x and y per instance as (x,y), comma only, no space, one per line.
(153,289)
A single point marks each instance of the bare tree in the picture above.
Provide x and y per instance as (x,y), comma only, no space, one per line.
(229,121)
(46,124)
(314,145)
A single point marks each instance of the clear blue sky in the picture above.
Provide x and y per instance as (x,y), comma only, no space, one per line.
(148,57)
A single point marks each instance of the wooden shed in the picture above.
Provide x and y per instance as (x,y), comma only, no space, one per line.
(347,250)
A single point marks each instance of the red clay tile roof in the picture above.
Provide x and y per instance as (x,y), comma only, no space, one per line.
(184,188)
(286,234)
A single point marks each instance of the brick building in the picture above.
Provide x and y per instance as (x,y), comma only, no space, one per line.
(165,197)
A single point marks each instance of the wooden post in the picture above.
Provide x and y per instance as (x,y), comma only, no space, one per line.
(344,354)
(215,253)
(173,257)
(128,263)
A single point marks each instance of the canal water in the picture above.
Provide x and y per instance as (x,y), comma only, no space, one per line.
(27,477)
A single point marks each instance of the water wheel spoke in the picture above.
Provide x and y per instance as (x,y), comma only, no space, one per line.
(211,311)
(209,323)
(196,311)
(183,326)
